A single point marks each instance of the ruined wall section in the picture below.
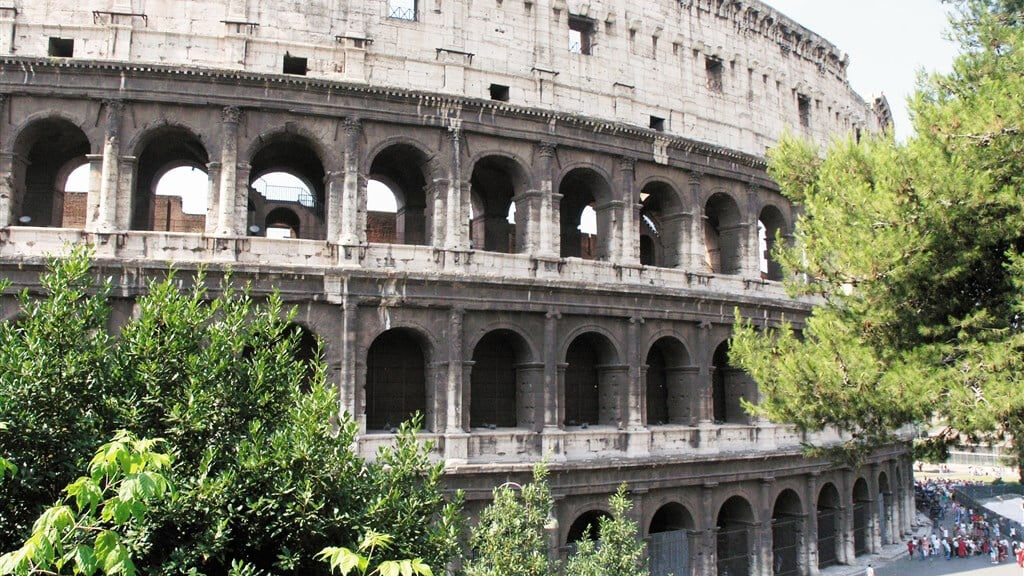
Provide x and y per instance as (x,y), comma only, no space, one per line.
(731,73)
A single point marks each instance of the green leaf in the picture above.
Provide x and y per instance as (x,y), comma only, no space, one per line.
(85,560)
(389,568)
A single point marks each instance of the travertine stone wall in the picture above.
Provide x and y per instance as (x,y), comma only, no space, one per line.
(648,58)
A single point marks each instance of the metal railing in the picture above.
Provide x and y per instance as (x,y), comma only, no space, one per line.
(278,193)
(402,13)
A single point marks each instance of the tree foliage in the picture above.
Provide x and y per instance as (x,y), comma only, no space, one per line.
(914,251)
(265,472)
(511,537)
(620,551)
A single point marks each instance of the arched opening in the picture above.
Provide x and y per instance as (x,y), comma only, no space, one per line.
(668,545)
(591,379)
(861,516)
(733,542)
(287,173)
(161,192)
(586,526)
(76,194)
(885,510)
(307,352)
(282,223)
(381,210)
(401,169)
(495,182)
(723,235)
(670,385)
(770,224)
(729,387)
(395,380)
(660,225)
(582,188)
(499,386)
(46,151)
(828,526)
(787,535)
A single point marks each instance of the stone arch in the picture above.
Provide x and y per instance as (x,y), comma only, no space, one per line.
(723,234)
(396,379)
(770,224)
(502,381)
(592,378)
(734,538)
(406,168)
(662,225)
(581,187)
(669,536)
(861,517)
(586,525)
(496,181)
(729,386)
(787,534)
(830,541)
(298,153)
(887,527)
(671,385)
(46,147)
(163,147)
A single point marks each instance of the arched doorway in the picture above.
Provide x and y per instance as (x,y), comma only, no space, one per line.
(590,382)
(668,545)
(499,393)
(729,387)
(733,538)
(401,169)
(861,517)
(495,182)
(395,380)
(828,526)
(583,188)
(162,190)
(670,386)
(723,235)
(787,535)
(45,151)
(660,226)
(286,195)
(770,224)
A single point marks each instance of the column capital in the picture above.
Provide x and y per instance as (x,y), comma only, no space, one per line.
(553,315)
(231,114)
(626,164)
(637,320)
(695,177)
(113,106)
(352,125)
(546,149)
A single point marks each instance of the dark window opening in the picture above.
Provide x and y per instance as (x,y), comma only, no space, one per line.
(804,106)
(295,65)
(713,67)
(499,92)
(402,10)
(657,124)
(581,34)
(61,47)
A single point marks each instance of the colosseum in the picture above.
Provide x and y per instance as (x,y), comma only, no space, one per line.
(529,220)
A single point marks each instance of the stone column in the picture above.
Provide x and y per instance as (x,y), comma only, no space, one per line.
(334,185)
(684,395)
(227,224)
(548,228)
(529,387)
(708,552)
(705,409)
(811,525)
(629,254)
(752,250)
(212,197)
(125,193)
(676,234)
(453,392)
(550,399)
(634,392)
(457,201)
(349,333)
(103,219)
(874,518)
(348,235)
(6,185)
(909,507)
(92,195)
(848,555)
(692,248)
(764,543)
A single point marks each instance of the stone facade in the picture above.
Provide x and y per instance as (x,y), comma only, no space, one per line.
(604,350)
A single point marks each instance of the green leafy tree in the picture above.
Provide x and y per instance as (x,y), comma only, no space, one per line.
(914,252)
(365,561)
(620,551)
(86,533)
(265,471)
(511,537)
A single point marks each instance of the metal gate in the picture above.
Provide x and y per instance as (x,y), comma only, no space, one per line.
(860,528)
(669,553)
(733,551)
(828,520)
(786,545)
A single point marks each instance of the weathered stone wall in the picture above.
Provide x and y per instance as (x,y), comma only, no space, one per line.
(648,58)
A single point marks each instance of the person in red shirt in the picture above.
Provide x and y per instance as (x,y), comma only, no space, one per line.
(910,548)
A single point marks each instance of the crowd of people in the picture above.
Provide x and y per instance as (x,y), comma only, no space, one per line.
(970,533)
